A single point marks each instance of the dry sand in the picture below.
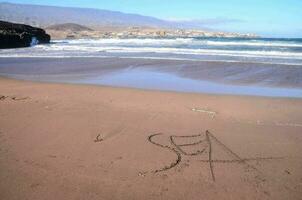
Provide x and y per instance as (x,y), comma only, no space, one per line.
(89,142)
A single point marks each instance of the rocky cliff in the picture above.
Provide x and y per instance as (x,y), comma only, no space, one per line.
(20,35)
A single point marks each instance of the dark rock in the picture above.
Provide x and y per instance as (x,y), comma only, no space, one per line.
(20,35)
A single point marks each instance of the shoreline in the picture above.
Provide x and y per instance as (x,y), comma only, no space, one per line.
(158,90)
(74,84)
(167,75)
(152,58)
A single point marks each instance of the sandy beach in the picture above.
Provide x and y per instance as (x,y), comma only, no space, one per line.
(63,141)
(150,100)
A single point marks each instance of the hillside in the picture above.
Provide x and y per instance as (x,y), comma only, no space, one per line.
(45,16)
(68,27)
(67,22)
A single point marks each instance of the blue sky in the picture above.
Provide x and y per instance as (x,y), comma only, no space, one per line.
(271,18)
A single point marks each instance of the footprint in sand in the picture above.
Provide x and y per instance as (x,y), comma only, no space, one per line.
(14,98)
(113,133)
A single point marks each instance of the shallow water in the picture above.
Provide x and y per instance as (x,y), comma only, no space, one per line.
(169,75)
(147,79)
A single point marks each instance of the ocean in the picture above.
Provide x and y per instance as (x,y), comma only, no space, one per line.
(237,66)
(251,50)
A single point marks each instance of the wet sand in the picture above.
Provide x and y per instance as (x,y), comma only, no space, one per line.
(77,69)
(63,141)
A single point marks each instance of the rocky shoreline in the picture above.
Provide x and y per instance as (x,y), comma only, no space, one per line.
(20,35)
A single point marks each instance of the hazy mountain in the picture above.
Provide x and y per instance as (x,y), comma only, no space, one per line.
(44,16)
(68,27)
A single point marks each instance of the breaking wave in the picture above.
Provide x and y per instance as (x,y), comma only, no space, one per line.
(275,51)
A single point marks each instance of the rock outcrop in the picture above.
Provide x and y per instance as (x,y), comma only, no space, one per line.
(20,35)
